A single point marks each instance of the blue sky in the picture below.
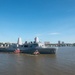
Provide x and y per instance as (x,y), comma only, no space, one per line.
(50,20)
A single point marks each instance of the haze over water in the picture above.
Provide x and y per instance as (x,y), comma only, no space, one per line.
(62,63)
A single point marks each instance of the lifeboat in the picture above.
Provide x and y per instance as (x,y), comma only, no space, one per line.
(17,50)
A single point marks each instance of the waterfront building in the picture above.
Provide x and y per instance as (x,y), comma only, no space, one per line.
(59,43)
(46,42)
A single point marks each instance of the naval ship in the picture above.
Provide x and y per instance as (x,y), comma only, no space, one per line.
(35,47)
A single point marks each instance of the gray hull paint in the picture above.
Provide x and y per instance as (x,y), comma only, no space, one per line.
(6,50)
(47,50)
(31,50)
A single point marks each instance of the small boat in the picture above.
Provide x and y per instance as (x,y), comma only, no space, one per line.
(36,52)
(17,50)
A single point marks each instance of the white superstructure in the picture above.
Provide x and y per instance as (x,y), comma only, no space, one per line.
(19,42)
(36,39)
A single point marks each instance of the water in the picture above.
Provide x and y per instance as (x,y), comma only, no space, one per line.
(62,63)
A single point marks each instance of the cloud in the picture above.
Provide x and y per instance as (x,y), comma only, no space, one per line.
(55,33)
(47,34)
(38,34)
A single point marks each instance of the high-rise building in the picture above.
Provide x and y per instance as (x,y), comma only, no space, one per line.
(63,43)
(59,42)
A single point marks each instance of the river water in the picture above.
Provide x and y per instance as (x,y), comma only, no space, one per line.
(61,63)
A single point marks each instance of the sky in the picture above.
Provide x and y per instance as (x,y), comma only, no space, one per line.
(50,20)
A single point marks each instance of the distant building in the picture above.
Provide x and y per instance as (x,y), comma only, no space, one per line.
(46,42)
(63,44)
(59,42)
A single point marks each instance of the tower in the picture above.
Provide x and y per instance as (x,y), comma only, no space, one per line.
(36,39)
(19,42)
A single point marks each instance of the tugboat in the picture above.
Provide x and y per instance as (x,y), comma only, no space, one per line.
(36,52)
(17,50)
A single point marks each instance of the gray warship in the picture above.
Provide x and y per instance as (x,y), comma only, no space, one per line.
(29,47)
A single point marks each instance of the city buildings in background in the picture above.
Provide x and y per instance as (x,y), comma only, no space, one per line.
(59,44)
(47,43)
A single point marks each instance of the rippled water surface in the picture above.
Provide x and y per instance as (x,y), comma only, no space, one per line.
(62,63)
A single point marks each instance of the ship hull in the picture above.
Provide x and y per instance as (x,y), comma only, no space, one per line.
(6,50)
(47,50)
(40,50)
(31,50)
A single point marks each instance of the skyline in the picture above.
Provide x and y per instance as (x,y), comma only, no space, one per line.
(49,20)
